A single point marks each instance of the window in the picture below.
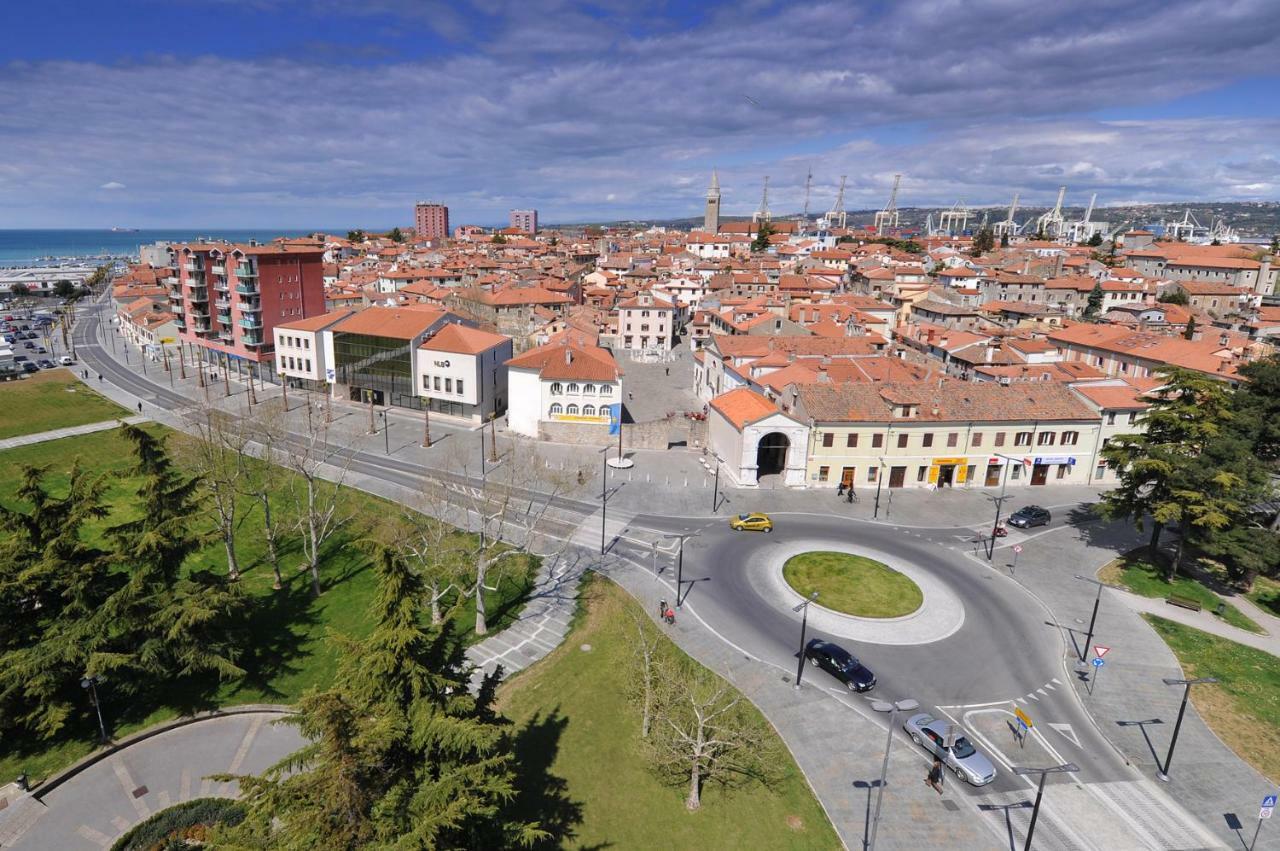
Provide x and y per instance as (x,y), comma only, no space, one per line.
(976,440)
(606,389)
(1100,471)
(556,409)
(1111,417)
(952,438)
(588,410)
(556,388)
(437,382)
(1022,438)
(902,441)
(850,440)
(1063,469)
(823,472)
(921,472)
(1133,417)
(927,441)
(1045,438)
(459,385)
(306,342)
(1070,438)
(308,364)
(588,390)
(999,438)
(1015,472)
(871,474)
(828,440)
(877,440)
(426,382)
(573,387)
(572,410)
(448,385)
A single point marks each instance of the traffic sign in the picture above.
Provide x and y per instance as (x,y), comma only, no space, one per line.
(1023,717)
(1017,548)
(1098,663)
(1100,650)
(1268,807)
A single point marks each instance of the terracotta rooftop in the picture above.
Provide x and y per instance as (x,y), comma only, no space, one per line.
(742,406)
(460,339)
(317,323)
(400,323)
(947,401)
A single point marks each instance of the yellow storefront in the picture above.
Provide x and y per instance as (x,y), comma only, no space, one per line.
(948,471)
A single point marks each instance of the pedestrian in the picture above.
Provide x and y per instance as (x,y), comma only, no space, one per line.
(934,778)
(668,370)
(139,407)
(849,495)
(662,607)
(840,489)
(99,377)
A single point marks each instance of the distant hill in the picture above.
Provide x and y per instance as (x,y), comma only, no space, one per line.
(1257,219)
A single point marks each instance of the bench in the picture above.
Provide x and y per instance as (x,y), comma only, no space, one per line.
(1184,602)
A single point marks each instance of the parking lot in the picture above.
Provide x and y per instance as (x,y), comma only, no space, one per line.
(33,340)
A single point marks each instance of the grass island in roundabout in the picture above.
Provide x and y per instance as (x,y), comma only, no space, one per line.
(853,584)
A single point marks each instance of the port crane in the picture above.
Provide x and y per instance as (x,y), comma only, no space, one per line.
(888,217)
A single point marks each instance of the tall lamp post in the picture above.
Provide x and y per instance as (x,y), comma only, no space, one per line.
(999,501)
(715,491)
(1163,773)
(91,685)
(803,608)
(1093,619)
(879,484)
(386,433)
(682,536)
(1065,768)
(904,705)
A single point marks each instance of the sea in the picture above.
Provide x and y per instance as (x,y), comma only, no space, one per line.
(46,247)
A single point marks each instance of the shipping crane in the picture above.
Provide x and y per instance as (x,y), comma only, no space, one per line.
(763,214)
(1051,224)
(1008,227)
(836,217)
(1184,230)
(954,221)
(888,217)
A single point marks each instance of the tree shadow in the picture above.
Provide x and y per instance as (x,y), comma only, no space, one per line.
(278,627)
(540,795)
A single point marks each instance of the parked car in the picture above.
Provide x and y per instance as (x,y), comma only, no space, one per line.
(29,366)
(19,358)
(28,345)
(41,350)
(1031,515)
(961,757)
(66,360)
(44,363)
(841,664)
(755,522)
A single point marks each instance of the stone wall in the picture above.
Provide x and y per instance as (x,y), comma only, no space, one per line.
(651,435)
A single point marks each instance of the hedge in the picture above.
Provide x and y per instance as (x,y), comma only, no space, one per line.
(170,828)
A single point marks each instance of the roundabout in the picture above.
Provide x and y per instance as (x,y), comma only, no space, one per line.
(852,584)
(938,614)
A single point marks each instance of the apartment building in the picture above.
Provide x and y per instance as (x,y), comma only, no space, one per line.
(526,221)
(647,323)
(227,299)
(431,221)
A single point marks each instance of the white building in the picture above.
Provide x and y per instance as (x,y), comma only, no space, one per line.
(754,439)
(462,372)
(646,323)
(563,382)
(302,356)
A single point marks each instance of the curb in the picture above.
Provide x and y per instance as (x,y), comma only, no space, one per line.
(56,780)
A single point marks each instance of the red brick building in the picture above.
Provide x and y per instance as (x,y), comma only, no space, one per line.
(431,221)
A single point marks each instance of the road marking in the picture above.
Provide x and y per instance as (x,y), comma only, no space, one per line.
(94,836)
(1067,732)
(126,781)
(184,785)
(121,823)
(246,743)
(1042,691)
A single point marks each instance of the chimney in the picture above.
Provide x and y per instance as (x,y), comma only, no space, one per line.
(1225,339)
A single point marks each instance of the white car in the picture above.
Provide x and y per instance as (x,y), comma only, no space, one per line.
(66,360)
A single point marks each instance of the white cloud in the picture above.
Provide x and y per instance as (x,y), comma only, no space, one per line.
(112,185)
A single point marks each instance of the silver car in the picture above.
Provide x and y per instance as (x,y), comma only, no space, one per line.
(962,757)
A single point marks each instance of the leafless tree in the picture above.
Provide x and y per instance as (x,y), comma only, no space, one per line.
(510,509)
(643,684)
(319,509)
(435,547)
(215,447)
(704,730)
(260,480)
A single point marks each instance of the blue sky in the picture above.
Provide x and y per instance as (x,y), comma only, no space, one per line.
(320,113)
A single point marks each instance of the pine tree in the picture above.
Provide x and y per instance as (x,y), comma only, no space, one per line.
(1094,305)
(761,242)
(1190,332)
(401,752)
(983,241)
(1156,467)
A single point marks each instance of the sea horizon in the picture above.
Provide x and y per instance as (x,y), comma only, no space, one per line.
(33,246)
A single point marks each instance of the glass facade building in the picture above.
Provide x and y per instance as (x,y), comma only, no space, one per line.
(382,365)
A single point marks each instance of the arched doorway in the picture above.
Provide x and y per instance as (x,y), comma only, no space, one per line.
(771,454)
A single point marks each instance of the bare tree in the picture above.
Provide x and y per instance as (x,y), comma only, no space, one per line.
(216,450)
(704,731)
(436,549)
(258,481)
(319,512)
(508,510)
(643,684)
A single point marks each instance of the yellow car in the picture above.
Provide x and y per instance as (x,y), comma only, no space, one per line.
(751,523)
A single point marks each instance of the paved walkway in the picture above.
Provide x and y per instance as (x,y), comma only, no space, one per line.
(92,809)
(1203,620)
(69,431)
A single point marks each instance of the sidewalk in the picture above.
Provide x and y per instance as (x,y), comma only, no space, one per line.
(1206,777)
(69,431)
(1202,620)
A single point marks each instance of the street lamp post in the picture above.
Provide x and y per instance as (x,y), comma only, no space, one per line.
(715,491)
(999,501)
(1093,619)
(604,504)
(1163,773)
(803,608)
(426,424)
(386,433)
(879,484)
(1065,768)
(493,436)
(91,684)
(905,705)
(681,536)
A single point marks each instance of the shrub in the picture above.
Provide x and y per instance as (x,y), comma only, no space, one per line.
(171,828)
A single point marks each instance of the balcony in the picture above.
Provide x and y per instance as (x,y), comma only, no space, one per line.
(223,304)
(250,339)
(250,306)
(224,318)
(201,324)
(176,309)
(247,289)
(253,322)
(221,285)
(219,270)
(180,324)
(171,280)
(199,294)
(243,272)
(193,266)
(226,336)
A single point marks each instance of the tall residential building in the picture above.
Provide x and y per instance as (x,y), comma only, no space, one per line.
(430,220)
(226,299)
(526,220)
(711,218)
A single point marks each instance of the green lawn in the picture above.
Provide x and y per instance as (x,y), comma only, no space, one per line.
(51,399)
(1136,572)
(574,724)
(1242,708)
(852,584)
(287,649)
(1266,594)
